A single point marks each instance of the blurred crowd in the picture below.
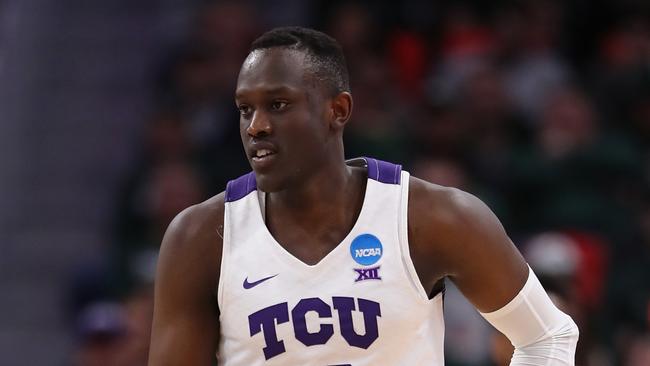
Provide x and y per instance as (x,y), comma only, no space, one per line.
(541,108)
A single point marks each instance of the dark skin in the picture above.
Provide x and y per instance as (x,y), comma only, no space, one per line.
(286,112)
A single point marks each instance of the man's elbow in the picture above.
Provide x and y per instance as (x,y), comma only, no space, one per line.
(557,346)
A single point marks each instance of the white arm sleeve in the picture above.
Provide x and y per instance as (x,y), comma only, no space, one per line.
(541,333)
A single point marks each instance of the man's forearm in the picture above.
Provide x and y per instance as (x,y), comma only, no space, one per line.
(539,331)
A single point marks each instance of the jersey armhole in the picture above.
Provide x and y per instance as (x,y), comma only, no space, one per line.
(225,256)
(407,262)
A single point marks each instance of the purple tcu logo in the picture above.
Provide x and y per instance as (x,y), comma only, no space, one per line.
(367,274)
(265,321)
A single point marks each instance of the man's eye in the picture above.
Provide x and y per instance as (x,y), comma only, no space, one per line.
(244,109)
(279,105)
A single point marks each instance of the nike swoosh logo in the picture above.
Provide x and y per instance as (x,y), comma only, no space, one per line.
(248,285)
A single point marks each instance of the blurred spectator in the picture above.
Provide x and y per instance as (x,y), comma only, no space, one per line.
(409,58)
(101,328)
(563,174)
(150,203)
(375,127)
(573,267)
(465,46)
(439,130)
(529,34)
(628,300)
(567,124)
(139,314)
(621,78)
(167,138)
(115,333)
(637,351)
(354,27)
(495,129)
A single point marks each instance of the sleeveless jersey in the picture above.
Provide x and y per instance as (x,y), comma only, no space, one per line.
(362,304)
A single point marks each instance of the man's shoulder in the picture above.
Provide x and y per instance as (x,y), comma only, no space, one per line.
(447,226)
(200,215)
(446,216)
(442,205)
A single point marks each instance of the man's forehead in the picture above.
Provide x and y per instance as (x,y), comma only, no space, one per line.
(274,55)
(278,66)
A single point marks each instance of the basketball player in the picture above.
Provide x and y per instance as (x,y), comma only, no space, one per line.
(312,260)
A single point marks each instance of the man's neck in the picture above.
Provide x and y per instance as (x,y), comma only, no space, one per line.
(333,195)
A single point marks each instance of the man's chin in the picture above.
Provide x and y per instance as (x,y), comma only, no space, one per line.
(268,184)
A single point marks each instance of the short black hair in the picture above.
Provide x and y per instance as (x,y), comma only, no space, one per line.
(323,51)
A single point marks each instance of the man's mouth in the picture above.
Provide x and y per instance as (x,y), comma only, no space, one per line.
(262,154)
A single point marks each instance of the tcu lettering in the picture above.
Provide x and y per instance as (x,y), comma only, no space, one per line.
(369,252)
(265,320)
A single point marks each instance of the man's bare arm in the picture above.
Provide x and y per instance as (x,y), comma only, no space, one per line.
(454,235)
(186,325)
(459,237)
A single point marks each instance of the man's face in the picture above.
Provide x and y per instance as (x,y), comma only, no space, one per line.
(284,122)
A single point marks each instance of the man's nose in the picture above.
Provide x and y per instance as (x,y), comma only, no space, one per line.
(260,125)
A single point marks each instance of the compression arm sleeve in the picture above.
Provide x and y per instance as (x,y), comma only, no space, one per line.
(539,331)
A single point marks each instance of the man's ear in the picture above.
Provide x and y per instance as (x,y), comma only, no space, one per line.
(341,110)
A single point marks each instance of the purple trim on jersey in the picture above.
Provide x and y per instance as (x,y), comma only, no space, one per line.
(240,187)
(378,170)
(383,171)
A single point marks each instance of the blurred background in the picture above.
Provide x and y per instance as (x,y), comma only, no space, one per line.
(115,115)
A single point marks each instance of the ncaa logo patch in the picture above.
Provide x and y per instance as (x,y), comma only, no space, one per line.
(366,249)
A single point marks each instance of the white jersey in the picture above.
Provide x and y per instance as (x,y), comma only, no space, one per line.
(362,304)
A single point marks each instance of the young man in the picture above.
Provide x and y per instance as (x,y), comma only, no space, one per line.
(310,260)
